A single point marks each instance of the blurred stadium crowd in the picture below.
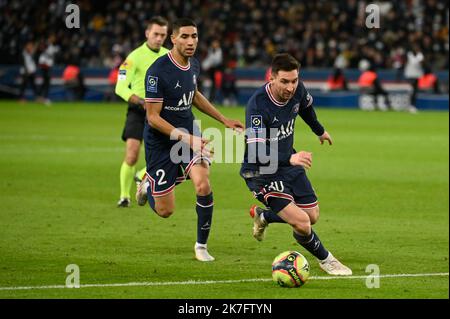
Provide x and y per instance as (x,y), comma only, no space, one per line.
(319,33)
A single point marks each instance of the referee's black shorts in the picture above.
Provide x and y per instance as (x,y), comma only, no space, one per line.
(134,123)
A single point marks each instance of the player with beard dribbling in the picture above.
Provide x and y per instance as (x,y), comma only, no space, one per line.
(284,188)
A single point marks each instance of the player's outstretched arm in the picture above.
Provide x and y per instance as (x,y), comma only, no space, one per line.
(202,103)
(309,116)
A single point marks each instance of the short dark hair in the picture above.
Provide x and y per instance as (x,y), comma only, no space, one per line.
(182,22)
(284,62)
(157,20)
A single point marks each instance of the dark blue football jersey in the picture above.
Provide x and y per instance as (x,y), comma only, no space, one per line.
(174,85)
(270,122)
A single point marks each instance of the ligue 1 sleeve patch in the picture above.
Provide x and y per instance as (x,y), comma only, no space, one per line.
(256,123)
(152,84)
(122,75)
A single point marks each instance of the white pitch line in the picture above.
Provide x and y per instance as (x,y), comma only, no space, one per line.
(61,150)
(209,282)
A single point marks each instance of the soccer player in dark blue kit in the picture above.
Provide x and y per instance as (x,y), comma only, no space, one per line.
(171,90)
(273,170)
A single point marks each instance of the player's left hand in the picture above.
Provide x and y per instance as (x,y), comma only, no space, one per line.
(234,124)
(325,137)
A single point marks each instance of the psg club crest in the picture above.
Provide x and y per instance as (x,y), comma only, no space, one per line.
(296,107)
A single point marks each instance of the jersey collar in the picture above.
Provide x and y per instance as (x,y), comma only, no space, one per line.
(183,68)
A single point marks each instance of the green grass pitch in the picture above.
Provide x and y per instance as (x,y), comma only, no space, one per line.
(383,191)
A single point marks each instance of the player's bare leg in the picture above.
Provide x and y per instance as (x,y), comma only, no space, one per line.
(301,221)
(297,218)
(164,205)
(199,175)
(313,214)
(127,170)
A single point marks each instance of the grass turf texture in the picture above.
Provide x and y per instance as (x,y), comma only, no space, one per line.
(383,191)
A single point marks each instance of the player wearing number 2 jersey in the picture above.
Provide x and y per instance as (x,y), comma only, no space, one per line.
(170,92)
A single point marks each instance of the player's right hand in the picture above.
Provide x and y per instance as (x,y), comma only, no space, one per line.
(199,146)
(301,158)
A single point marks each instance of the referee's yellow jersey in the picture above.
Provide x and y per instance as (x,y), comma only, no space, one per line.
(130,79)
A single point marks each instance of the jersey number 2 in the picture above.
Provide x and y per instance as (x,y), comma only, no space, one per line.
(161,174)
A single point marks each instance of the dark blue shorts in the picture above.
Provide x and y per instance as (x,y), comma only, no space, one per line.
(289,183)
(164,174)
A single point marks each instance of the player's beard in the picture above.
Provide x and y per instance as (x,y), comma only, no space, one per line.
(281,94)
(284,96)
(287,96)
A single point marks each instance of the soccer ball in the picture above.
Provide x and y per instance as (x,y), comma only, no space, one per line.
(290,269)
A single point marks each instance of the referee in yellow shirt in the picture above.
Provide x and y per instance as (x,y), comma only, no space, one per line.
(130,87)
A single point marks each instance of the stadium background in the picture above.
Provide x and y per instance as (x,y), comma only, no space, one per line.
(383,185)
(320,34)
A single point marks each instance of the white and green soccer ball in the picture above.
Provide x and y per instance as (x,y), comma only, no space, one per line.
(290,269)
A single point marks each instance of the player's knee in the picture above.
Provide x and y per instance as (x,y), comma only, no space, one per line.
(164,212)
(314,215)
(302,225)
(203,187)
